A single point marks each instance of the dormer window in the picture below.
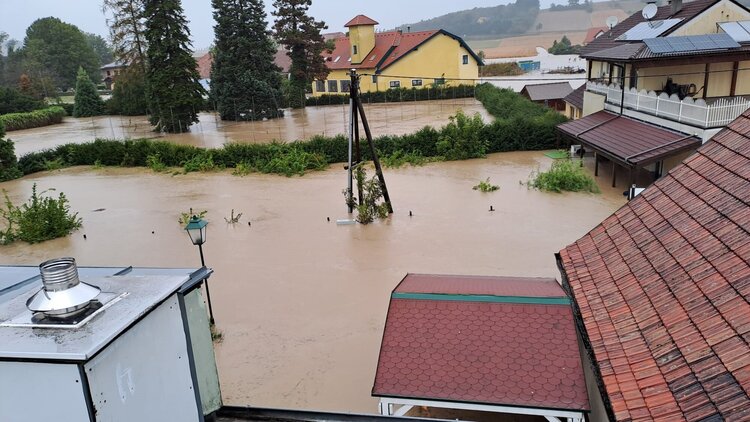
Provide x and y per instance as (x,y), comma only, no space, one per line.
(354,50)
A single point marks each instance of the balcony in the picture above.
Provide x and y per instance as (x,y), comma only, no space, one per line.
(711,114)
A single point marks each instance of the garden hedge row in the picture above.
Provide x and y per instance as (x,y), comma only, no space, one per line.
(524,126)
(397,95)
(37,118)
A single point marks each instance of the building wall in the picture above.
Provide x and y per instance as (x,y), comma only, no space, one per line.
(705,23)
(572,112)
(656,83)
(363,37)
(592,103)
(441,56)
(743,79)
(719,81)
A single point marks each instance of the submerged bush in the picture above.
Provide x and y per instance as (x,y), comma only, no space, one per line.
(564,175)
(40,218)
(462,138)
(37,118)
(486,186)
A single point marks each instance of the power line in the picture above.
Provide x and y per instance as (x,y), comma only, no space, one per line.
(512,79)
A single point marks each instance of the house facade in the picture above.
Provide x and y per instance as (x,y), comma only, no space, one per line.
(679,72)
(397,59)
(110,71)
(551,95)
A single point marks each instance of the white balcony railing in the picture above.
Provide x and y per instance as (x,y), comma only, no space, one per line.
(698,113)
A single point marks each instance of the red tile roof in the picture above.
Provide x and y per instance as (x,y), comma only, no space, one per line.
(389,48)
(204,65)
(592,33)
(627,140)
(360,20)
(607,40)
(459,338)
(662,288)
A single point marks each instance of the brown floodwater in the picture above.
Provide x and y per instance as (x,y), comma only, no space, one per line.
(211,132)
(301,301)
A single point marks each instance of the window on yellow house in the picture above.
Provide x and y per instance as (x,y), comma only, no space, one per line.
(374,79)
(320,86)
(395,84)
(345,84)
(416,82)
(333,86)
(354,49)
(466,59)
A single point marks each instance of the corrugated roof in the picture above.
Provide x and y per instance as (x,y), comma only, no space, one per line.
(662,287)
(360,20)
(627,140)
(548,91)
(607,40)
(456,339)
(575,98)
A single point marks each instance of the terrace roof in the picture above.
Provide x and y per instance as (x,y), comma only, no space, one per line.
(483,340)
(630,142)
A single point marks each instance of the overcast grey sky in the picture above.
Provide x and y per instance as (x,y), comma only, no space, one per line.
(17,15)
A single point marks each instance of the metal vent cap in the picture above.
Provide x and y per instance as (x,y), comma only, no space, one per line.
(62,293)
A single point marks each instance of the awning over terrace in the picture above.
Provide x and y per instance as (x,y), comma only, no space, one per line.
(495,344)
(625,141)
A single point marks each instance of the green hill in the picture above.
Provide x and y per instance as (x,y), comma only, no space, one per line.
(503,20)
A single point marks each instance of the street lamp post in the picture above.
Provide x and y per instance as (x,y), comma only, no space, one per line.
(196,229)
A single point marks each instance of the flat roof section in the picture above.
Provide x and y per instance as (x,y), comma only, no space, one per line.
(630,142)
(500,341)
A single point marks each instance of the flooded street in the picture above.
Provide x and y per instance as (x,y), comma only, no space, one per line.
(384,119)
(301,301)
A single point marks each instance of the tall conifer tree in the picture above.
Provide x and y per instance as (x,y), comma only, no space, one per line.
(87,101)
(300,33)
(173,91)
(245,82)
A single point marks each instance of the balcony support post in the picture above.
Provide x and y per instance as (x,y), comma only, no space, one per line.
(705,80)
(735,68)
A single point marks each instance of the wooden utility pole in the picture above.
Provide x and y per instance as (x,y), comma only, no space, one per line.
(357,114)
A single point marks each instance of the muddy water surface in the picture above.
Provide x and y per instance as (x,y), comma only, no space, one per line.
(300,300)
(210,132)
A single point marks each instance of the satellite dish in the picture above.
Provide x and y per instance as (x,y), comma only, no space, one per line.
(649,11)
(611,21)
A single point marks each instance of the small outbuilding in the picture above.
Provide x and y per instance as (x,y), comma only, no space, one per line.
(550,94)
(495,344)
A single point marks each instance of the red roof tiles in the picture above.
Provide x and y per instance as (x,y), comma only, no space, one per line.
(389,47)
(663,285)
(360,20)
(627,140)
(445,339)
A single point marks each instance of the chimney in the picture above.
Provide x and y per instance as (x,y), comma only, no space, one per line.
(676,6)
(408,28)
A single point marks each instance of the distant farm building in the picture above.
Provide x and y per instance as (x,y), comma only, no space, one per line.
(550,94)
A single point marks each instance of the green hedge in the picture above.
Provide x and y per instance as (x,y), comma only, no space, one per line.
(44,117)
(526,127)
(397,95)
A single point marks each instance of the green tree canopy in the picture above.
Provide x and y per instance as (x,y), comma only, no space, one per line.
(127,27)
(245,82)
(300,34)
(56,49)
(174,94)
(129,93)
(100,47)
(14,101)
(8,162)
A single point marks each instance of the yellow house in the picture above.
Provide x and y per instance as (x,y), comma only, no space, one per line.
(397,59)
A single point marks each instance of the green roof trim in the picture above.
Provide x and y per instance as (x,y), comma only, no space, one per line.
(529,300)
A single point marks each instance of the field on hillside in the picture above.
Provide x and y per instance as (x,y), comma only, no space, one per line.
(552,25)
(524,45)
